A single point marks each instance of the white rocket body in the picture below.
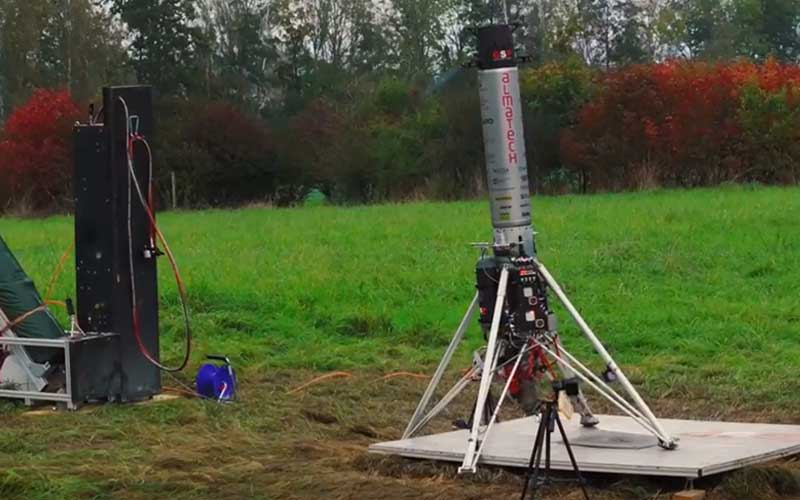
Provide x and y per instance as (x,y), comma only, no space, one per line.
(506,163)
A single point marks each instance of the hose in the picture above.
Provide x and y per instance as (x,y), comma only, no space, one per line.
(131,140)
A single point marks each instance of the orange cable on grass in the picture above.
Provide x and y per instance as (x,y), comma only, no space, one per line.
(57,303)
(184,392)
(320,379)
(21,319)
(58,270)
(400,374)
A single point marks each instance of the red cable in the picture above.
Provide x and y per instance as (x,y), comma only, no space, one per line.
(547,365)
(173,264)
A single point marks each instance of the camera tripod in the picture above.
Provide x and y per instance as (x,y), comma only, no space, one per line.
(548,420)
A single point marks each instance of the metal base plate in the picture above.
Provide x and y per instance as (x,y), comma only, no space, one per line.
(704,449)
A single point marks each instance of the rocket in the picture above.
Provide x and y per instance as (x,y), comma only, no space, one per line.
(504,141)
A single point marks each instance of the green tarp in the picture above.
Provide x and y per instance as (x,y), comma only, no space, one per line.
(18,295)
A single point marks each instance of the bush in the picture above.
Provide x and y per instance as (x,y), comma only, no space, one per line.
(36,152)
(770,120)
(553,94)
(460,170)
(389,144)
(220,155)
(687,124)
(650,125)
(321,145)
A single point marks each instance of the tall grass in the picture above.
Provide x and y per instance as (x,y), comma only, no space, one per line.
(686,287)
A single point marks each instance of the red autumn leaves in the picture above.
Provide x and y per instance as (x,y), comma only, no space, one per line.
(686,124)
(36,150)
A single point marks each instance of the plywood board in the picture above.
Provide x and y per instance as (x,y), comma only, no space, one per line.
(705,448)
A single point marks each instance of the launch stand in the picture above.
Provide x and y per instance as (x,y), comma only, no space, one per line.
(512,284)
(523,343)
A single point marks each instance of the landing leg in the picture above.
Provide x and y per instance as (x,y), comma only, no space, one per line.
(490,364)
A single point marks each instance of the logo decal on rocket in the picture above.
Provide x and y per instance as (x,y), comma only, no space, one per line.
(511,134)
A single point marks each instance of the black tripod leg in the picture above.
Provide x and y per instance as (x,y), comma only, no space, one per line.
(536,455)
(571,457)
(538,466)
(488,411)
(548,443)
(491,405)
(472,415)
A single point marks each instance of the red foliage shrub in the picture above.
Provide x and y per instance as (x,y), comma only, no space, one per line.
(36,151)
(676,124)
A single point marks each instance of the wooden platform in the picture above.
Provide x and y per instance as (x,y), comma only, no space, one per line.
(705,448)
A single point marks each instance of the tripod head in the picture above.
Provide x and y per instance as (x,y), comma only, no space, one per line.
(569,386)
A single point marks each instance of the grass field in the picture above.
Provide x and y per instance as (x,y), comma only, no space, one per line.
(696,292)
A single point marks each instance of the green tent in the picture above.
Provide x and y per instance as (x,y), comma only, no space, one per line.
(18,295)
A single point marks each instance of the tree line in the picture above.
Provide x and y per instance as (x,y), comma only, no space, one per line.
(251,89)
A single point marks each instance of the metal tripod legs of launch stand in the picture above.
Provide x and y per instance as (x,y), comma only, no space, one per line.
(636,408)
